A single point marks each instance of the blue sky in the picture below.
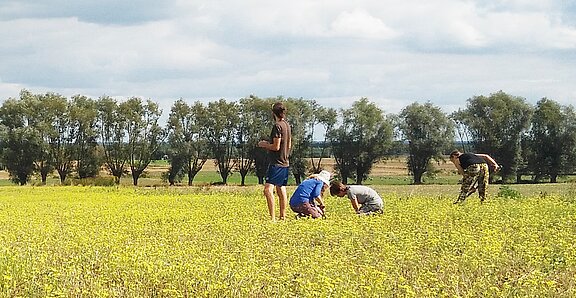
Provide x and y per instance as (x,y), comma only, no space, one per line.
(392,52)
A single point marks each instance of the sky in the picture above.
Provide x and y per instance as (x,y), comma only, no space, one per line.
(393,52)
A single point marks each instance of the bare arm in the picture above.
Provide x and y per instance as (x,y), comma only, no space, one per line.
(274,146)
(490,161)
(355,204)
(319,200)
(456,162)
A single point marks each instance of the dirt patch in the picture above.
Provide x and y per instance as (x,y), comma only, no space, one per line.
(392,167)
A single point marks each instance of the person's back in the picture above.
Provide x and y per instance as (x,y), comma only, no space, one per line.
(308,189)
(307,198)
(364,195)
(468,159)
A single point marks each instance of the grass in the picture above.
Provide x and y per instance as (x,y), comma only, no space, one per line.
(217,241)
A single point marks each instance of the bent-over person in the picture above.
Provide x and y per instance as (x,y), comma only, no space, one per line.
(473,168)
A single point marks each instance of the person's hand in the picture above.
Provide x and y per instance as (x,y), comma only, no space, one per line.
(262,144)
(497,168)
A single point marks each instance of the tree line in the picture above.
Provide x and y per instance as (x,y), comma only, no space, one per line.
(45,133)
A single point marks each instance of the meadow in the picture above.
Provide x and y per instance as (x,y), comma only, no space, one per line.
(217,241)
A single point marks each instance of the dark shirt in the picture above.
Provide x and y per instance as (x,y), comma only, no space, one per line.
(468,159)
(281,129)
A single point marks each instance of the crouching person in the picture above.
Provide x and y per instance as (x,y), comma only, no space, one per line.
(307,198)
(364,199)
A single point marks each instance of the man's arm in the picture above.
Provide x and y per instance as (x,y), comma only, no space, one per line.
(458,167)
(274,146)
(354,202)
(490,161)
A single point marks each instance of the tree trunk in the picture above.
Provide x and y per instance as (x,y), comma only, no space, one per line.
(62,175)
(22,178)
(135,175)
(191,175)
(297,179)
(243,174)
(418,177)
(553,178)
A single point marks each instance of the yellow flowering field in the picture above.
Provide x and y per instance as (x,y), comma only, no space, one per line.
(218,242)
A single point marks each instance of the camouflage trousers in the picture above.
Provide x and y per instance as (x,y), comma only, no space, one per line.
(472,174)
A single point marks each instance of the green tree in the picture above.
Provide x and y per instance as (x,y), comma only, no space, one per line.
(187,139)
(300,115)
(549,140)
(222,129)
(496,124)
(55,126)
(569,160)
(327,118)
(362,139)
(253,122)
(341,143)
(144,134)
(83,115)
(428,132)
(20,143)
(39,114)
(111,125)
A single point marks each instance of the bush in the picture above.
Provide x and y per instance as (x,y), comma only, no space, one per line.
(508,193)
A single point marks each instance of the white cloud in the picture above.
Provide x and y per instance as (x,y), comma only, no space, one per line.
(360,24)
(393,52)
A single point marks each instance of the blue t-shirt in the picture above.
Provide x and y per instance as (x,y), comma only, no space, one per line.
(308,190)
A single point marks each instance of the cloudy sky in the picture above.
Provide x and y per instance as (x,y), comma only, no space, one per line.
(394,52)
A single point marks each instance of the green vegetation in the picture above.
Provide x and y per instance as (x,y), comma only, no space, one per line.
(45,134)
(214,241)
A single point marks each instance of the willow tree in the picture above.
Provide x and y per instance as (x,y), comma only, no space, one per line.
(428,132)
(496,124)
(187,140)
(362,139)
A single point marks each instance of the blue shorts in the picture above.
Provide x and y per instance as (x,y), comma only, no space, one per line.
(277,175)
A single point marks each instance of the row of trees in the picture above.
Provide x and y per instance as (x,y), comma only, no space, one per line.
(43,133)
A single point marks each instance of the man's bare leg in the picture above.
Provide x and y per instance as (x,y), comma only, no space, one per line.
(282,200)
(269,194)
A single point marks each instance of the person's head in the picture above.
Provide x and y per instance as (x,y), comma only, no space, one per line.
(454,155)
(338,188)
(279,110)
(323,176)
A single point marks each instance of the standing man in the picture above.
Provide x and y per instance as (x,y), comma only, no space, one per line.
(472,167)
(279,148)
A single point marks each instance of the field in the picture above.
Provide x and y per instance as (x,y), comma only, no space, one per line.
(389,172)
(214,241)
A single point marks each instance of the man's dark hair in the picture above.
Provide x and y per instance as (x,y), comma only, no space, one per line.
(454,153)
(279,109)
